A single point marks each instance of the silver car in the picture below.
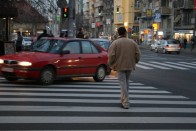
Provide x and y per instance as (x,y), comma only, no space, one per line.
(168,46)
(153,46)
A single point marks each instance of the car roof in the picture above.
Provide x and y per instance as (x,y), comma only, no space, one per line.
(61,38)
(99,39)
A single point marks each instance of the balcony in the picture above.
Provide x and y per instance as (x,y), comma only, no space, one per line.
(165,11)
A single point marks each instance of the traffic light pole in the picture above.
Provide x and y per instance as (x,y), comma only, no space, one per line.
(71,20)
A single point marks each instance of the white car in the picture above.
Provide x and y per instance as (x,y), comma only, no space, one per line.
(153,46)
(168,46)
(27,41)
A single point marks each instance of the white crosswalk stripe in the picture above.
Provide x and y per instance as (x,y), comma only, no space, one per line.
(179,64)
(93,106)
(157,66)
(166,65)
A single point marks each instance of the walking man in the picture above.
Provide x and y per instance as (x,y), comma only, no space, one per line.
(123,55)
(44,34)
(80,33)
(19,42)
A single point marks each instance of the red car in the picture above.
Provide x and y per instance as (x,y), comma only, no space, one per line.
(52,58)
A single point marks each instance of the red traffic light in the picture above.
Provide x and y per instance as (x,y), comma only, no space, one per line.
(65,12)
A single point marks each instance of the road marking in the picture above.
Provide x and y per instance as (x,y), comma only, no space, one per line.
(97,109)
(188,63)
(156,66)
(87,95)
(188,66)
(67,119)
(143,67)
(181,68)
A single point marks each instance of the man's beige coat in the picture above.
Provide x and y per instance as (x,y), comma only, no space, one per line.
(123,54)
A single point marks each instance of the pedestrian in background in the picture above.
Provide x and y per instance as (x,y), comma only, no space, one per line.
(80,33)
(19,42)
(44,34)
(123,55)
(185,42)
(62,34)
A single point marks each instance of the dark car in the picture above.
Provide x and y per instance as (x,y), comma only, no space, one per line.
(52,58)
(104,43)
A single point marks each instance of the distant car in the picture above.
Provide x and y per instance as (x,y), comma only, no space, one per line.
(104,43)
(153,46)
(168,46)
(26,44)
(52,58)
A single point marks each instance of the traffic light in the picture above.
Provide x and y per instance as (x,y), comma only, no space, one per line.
(65,12)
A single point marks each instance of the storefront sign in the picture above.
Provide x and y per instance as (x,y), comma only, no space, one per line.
(148,13)
(157,17)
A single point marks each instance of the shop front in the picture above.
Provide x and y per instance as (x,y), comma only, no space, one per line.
(181,35)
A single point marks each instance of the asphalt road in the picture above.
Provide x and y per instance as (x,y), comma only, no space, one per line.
(161,95)
(179,78)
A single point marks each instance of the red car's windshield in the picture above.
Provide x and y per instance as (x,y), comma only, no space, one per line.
(47,45)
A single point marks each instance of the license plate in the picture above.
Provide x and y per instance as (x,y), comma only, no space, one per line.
(7,69)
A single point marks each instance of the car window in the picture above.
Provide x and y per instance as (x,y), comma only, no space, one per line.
(162,42)
(73,47)
(88,48)
(172,42)
(45,45)
(104,44)
(27,39)
(56,46)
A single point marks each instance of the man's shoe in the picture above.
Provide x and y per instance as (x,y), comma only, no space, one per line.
(124,107)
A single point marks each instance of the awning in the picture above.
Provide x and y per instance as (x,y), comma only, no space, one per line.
(21,11)
(177,18)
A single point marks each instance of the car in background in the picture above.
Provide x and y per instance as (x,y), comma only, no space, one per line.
(105,37)
(26,43)
(52,58)
(104,43)
(168,46)
(153,46)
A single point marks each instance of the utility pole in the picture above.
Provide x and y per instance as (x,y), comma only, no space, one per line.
(194,30)
(71,19)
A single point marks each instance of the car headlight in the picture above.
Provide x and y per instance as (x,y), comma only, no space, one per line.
(24,63)
(1,61)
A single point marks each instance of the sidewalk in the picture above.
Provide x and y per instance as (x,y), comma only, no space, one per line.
(183,51)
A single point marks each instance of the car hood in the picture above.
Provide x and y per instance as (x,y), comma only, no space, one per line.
(28,56)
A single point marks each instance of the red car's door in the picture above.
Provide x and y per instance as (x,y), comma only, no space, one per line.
(69,63)
(90,58)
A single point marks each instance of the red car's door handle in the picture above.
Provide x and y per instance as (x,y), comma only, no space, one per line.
(99,57)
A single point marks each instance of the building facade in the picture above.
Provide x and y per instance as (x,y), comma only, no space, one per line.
(166,19)
(127,13)
(98,17)
(29,17)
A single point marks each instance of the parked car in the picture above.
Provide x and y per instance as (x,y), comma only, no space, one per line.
(26,43)
(52,58)
(104,43)
(168,46)
(153,46)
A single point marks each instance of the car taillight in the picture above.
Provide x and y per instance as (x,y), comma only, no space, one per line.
(179,46)
(167,46)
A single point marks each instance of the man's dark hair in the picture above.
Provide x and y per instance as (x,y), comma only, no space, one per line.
(44,31)
(122,31)
(80,29)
